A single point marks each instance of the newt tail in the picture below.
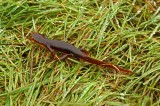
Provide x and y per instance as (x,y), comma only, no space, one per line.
(103,64)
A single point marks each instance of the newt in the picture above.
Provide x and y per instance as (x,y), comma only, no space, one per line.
(70,50)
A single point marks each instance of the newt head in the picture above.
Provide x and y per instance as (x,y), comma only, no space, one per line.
(36,37)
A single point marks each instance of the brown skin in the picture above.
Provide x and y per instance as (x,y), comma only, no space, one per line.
(70,50)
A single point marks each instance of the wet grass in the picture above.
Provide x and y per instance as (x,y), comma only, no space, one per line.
(125,33)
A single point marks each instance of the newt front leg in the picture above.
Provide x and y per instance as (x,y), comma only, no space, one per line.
(51,50)
(59,58)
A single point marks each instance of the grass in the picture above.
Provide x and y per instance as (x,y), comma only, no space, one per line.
(123,32)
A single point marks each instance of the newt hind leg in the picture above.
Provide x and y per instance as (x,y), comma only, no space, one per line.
(85,52)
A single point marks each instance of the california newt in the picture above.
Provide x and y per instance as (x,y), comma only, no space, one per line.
(70,50)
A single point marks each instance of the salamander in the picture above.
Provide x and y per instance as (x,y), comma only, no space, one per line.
(71,50)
